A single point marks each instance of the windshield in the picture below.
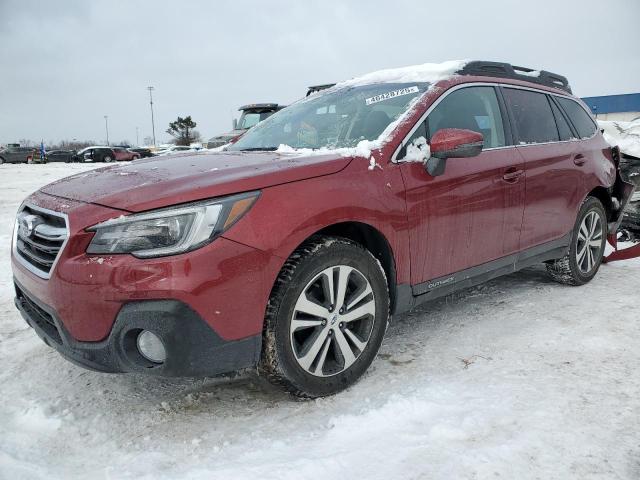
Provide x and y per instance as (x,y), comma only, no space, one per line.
(249,119)
(336,119)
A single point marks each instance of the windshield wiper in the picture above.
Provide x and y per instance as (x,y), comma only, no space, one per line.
(258,149)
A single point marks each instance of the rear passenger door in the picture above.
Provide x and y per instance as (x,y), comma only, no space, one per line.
(553,181)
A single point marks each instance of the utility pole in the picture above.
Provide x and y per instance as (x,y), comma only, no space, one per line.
(137,138)
(106,127)
(153,127)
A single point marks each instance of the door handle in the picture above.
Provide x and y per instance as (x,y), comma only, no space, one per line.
(579,160)
(512,175)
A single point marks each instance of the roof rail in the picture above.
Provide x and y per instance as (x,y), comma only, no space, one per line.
(506,70)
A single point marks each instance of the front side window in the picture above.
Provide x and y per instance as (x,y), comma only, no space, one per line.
(470,108)
(533,116)
(334,119)
(579,117)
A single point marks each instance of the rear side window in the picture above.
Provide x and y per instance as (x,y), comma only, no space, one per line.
(563,127)
(533,116)
(471,108)
(579,117)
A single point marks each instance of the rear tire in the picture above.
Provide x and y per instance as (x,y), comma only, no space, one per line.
(588,239)
(325,319)
(107,159)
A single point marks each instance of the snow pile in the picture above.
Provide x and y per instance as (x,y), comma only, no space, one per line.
(624,135)
(418,151)
(362,149)
(533,73)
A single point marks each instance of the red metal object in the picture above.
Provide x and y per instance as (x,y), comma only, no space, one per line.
(448,139)
(626,254)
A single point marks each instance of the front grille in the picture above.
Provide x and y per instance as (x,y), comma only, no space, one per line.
(40,235)
(38,316)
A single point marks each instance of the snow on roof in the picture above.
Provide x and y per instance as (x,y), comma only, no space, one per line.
(532,73)
(426,72)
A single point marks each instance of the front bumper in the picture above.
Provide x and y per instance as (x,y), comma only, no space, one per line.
(207,305)
(193,348)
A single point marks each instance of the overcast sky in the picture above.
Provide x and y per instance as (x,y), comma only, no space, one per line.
(66,64)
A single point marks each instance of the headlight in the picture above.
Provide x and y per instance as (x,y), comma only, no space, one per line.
(170,230)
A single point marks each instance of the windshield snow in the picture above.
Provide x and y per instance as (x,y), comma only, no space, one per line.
(337,118)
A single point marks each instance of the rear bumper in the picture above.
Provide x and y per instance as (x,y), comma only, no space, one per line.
(193,347)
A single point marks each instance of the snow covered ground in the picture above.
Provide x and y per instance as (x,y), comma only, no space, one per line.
(520,378)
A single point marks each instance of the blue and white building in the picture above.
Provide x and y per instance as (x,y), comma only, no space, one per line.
(623,108)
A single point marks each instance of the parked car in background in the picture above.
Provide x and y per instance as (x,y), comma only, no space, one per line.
(251,115)
(66,156)
(13,154)
(173,149)
(144,152)
(96,154)
(124,154)
(394,189)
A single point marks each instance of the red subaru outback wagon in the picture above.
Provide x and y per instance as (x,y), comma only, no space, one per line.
(291,249)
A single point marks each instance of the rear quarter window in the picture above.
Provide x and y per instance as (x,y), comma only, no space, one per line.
(585,126)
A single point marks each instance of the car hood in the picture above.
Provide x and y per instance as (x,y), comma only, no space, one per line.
(161,181)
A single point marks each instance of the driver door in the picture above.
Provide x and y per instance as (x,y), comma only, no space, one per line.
(471,214)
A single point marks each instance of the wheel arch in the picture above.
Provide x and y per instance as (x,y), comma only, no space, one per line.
(604,195)
(374,241)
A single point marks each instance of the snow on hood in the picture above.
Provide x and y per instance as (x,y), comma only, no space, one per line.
(624,135)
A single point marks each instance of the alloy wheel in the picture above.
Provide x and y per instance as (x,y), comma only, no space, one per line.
(332,321)
(588,249)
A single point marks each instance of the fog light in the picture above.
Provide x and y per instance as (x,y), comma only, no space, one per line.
(151,347)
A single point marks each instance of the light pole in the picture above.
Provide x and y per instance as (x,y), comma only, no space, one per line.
(153,127)
(137,138)
(106,127)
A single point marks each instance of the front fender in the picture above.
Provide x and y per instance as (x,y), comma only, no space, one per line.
(286,215)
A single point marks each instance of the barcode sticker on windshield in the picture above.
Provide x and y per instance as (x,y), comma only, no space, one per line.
(393,94)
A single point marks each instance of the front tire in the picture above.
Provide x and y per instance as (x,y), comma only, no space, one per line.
(326,318)
(107,159)
(588,240)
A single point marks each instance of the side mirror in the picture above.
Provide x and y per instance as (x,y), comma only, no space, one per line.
(235,123)
(452,143)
